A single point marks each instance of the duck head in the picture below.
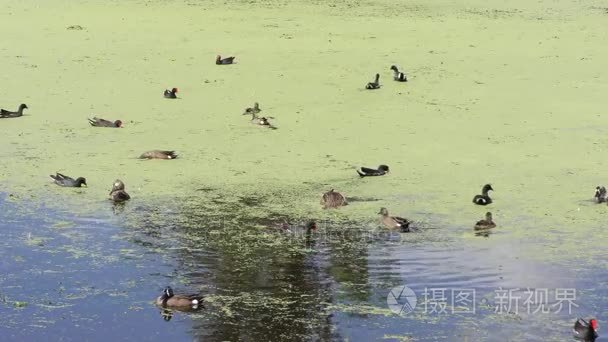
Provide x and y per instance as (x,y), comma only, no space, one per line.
(118,123)
(167,293)
(80,181)
(377,77)
(486,188)
(383,168)
(118,185)
(394,68)
(489,216)
(23,106)
(218,59)
(600,191)
(383,212)
(174,90)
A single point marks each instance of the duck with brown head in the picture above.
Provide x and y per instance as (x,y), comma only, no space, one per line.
(388,221)
(170,94)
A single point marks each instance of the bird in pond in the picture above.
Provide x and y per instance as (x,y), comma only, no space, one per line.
(99,122)
(483,199)
(394,221)
(179,302)
(170,94)
(5,114)
(158,154)
(118,193)
(367,172)
(397,75)
(252,110)
(333,199)
(308,228)
(264,122)
(485,224)
(63,180)
(600,194)
(223,61)
(586,331)
(375,84)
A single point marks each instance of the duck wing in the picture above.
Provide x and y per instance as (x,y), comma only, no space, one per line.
(119,196)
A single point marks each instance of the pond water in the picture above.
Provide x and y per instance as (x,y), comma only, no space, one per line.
(94,277)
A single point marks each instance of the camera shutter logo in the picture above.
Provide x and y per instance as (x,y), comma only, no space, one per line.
(401,300)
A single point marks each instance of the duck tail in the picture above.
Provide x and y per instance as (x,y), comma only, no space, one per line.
(92,122)
(361,174)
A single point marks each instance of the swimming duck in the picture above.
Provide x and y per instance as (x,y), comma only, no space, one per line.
(366,172)
(333,199)
(224,61)
(308,228)
(600,194)
(181,302)
(398,76)
(586,331)
(4,114)
(158,154)
(375,84)
(252,110)
(118,193)
(483,199)
(170,94)
(264,122)
(485,224)
(63,180)
(394,221)
(98,122)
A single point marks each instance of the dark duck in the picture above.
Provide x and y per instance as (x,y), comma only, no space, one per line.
(375,84)
(118,193)
(368,172)
(5,114)
(178,301)
(483,199)
(600,194)
(397,75)
(488,223)
(394,221)
(99,122)
(63,180)
(224,61)
(170,94)
(585,331)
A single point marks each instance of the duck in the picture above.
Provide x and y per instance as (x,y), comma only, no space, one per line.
(264,122)
(394,221)
(158,154)
(398,76)
(180,302)
(252,110)
(333,199)
(600,194)
(375,84)
(99,122)
(170,94)
(483,199)
(586,331)
(5,114)
(367,172)
(118,193)
(63,180)
(485,224)
(223,61)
